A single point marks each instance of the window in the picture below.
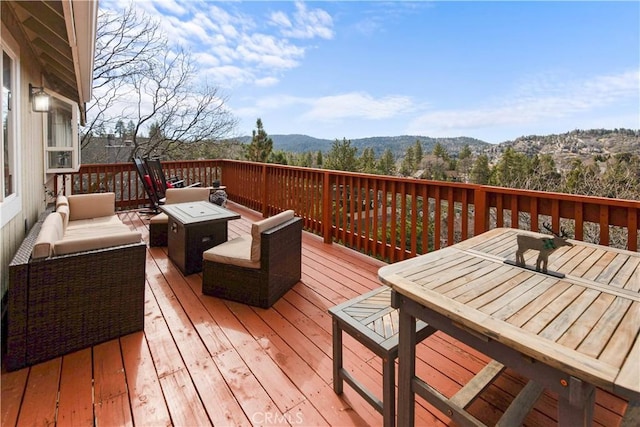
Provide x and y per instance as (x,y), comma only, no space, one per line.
(61,149)
(10,204)
(8,126)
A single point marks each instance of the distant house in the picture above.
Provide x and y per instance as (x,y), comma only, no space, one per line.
(47,64)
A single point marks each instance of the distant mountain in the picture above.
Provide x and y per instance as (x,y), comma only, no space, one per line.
(577,144)
(397,144)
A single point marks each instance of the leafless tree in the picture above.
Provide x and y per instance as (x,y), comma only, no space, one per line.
(140,78)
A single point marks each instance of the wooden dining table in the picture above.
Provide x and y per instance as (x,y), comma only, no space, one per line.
(568,331)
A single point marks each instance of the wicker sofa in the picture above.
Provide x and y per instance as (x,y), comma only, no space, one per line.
(77,287)
(257,268)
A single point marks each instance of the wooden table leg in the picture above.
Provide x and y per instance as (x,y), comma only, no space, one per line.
(337,357)
(406,366)
(577,408)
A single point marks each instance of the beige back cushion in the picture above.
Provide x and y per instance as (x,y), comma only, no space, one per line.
(258,227)
(184,195)
(50,233)
(63,210)
(61,200)
(94,205)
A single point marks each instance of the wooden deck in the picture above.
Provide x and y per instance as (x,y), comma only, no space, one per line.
(204,361)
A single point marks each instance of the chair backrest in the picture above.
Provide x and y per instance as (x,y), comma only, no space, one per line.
(147,182)
(159,181)
(258,227)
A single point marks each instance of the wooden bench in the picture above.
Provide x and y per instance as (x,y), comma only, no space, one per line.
(373,322)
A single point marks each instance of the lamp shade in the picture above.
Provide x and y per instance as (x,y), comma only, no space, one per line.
(39,99)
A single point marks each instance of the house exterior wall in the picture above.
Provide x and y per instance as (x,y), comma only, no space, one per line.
(31,186)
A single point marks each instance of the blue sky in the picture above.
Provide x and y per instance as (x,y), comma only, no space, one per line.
(353,69)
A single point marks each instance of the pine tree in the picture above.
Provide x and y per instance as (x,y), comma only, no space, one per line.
(418,154)
(481,172)
(512,170)
(367,162)
(440,152)
(261,145)
(120,129)
(131,129)
(407,166)
(387,163)
(465,163)
(342,156)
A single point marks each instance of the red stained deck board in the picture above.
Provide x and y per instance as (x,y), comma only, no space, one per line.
(39,402)
(265,370)
(12,385)
(250,394)
(147,401)
(111,394)
(75,406)
(183,401)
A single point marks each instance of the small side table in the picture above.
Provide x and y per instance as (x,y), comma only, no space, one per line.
(193,228)
(370,319)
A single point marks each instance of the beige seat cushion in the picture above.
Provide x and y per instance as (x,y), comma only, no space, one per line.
(258,227)
(69,245)
(50,232)
(161,218)
(103,221)
(94,205)
(98,232)
(235,251)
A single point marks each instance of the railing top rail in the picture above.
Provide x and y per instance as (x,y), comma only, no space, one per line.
(561,196)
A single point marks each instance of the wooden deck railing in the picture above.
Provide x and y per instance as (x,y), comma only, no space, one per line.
(389,218)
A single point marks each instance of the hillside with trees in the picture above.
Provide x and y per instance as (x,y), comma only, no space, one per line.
(590,162)
(398,144)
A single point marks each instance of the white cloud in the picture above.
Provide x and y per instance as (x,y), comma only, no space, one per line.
(306,24)
(265,50)
(206,60)
(172,6)
(229,75)
(358,105)
(267,81)
(280,19)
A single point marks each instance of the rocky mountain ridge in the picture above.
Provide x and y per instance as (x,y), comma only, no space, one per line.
(584,145)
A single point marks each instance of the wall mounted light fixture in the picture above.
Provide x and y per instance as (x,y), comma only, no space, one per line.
(39,99)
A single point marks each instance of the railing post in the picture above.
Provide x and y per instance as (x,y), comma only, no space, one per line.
(326,208)
(265,198)
(481,211)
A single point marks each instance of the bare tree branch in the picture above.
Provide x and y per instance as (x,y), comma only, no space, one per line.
(140,78)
